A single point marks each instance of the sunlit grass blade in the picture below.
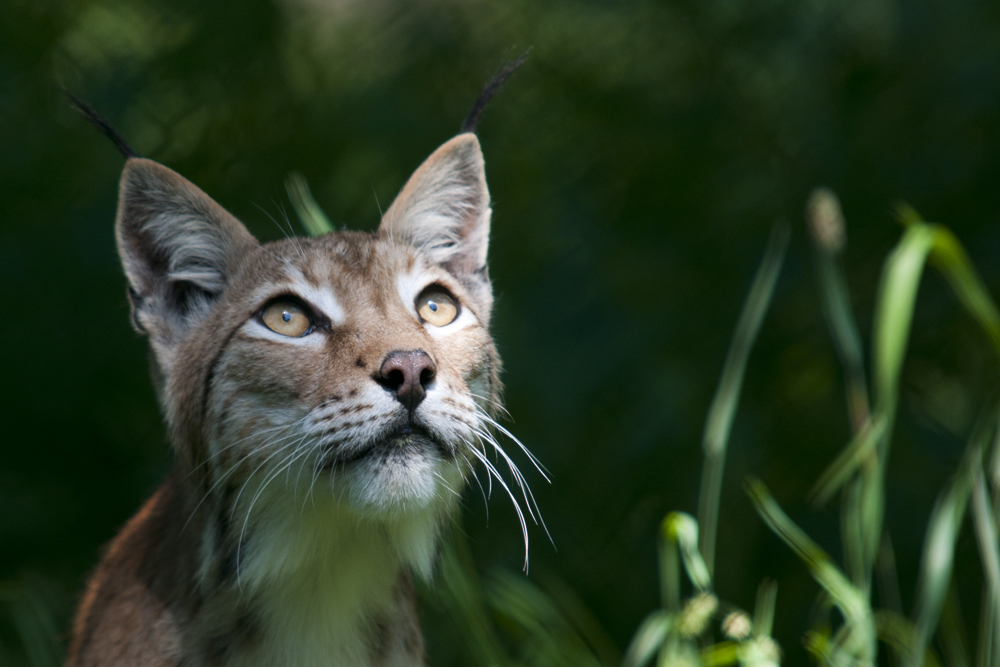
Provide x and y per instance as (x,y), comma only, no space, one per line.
(921,242)
(720,655)
(670,573)
(852,524)
(648,639)
(723,408)
(887,576)
(894,312)
(682,529)
(949,257)
(985,523)
(938,554)
(763,613)
(310,214)
(901,278)
(853,604)
(847,463)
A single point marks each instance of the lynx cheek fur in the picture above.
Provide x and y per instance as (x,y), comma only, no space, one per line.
(325,399)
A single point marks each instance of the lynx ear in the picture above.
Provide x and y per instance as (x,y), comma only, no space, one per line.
(444,209)
(178,248)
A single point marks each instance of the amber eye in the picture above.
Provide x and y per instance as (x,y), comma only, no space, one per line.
(286,318)
(435,306)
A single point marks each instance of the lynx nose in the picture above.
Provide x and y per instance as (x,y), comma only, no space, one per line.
(407,374)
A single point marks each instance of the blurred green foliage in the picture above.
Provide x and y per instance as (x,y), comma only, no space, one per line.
(637,162)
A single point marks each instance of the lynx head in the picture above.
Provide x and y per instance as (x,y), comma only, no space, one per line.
(357,366)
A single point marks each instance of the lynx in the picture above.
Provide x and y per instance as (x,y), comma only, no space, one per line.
(326,399)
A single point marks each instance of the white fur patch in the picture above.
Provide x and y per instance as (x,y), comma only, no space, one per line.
(313,557)
(322,298)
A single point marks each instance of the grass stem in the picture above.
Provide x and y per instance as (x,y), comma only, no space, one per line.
(719,422)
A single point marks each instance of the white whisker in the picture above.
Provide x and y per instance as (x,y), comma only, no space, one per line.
(496,404)
(472,469)
(517,508)
(239,462)
(538,464)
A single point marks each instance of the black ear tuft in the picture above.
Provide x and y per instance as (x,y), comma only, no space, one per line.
(489,90)
(100,122)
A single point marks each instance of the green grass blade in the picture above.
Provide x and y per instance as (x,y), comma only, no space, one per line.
(670,573)
(894,311)
(720,655)
(852,602)
(719,421)
(763,613)
(888,578)
(847,598)
(859,450)
(950,259)
(921,242)
(939,553)
(853,538)
(648,639)
(310,214)
(985,523)
(682,529)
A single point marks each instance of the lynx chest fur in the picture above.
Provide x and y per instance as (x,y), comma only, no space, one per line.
(326,399)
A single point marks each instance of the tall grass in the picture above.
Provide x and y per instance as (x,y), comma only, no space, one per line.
(858,475)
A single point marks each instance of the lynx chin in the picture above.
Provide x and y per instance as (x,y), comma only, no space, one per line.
(326,399)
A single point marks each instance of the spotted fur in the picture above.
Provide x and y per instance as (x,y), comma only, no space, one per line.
(304,494)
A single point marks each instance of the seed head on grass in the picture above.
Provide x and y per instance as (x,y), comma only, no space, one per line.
(736,625)
(826,221)
(696,614)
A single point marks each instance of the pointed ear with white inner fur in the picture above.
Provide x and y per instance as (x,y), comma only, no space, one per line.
(178,248)
(444,210)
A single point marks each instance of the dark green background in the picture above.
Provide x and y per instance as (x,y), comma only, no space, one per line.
(636,162)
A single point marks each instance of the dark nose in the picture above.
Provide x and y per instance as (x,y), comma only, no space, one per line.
(407,375)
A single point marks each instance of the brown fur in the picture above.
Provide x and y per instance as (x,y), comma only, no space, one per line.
(304,493)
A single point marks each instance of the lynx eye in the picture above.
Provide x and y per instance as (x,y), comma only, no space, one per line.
(436,306)
(286,318)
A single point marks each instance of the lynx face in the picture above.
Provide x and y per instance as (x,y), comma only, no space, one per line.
(354,371)
(335,375)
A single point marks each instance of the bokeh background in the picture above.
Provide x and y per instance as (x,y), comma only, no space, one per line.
(636,162)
